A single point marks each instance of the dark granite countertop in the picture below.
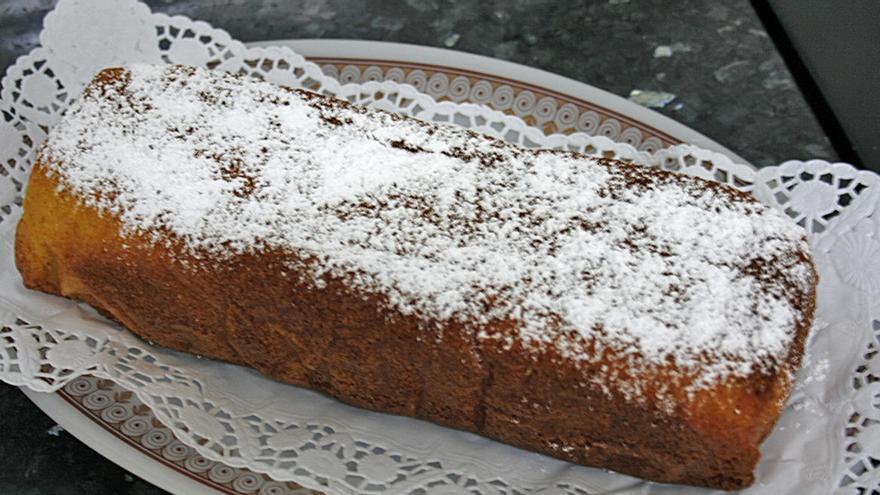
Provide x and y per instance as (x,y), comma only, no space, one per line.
(713,55)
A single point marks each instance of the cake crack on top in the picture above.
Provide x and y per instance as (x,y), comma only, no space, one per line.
(589,256)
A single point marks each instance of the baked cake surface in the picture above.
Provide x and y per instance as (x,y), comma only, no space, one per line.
(589,309)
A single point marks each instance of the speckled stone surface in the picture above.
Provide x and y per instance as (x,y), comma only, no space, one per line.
(37,459)
(727,80)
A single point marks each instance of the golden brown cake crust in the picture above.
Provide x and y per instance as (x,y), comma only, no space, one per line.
(252,310)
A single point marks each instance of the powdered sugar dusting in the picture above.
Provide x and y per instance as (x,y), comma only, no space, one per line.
(448,224)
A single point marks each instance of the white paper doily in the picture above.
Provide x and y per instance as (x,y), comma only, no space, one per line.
(828,439)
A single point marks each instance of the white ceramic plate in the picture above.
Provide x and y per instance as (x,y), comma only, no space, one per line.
(125,431)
